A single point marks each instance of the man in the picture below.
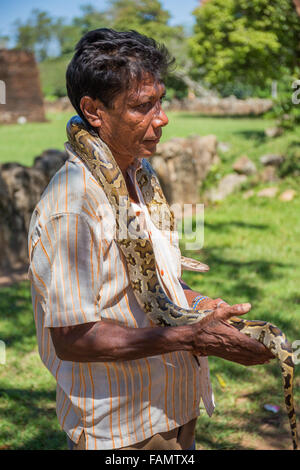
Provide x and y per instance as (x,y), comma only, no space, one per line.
(122,382)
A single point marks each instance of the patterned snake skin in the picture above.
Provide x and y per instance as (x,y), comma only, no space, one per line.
(138,251)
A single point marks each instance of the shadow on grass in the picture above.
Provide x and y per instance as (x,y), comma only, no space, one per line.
(259,136)
(222,431)
(266,430)
(235,269)
(46,440)
(195,115)
(229,226)
(32,421)
(295,298)
(234,279)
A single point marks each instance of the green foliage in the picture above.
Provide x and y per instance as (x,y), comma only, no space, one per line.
(145,16)
(90,19)
(243,91)
(36,33)
(291,164)
(52,73)
(213,176)
(67,36)
(4,39)
(176,88)
(245,41)
(286,107)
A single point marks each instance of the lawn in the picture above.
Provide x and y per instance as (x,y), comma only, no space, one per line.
(252,249)
(251,246)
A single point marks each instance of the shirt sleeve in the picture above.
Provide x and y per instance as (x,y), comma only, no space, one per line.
(65,269)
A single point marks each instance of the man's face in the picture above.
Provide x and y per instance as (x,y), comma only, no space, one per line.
(134,126)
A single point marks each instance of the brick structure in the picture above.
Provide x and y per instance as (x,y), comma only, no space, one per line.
(23,96)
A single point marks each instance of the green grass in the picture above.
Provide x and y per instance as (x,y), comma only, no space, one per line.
(22,143)
(253,251)
(27,390)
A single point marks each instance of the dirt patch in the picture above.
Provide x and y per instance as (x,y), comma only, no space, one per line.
(271,438)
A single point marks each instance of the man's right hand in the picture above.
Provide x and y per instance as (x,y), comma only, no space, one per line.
(213,336)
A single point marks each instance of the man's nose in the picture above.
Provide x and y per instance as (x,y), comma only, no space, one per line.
(160,118)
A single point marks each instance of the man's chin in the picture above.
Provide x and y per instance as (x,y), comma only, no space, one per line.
(148,150)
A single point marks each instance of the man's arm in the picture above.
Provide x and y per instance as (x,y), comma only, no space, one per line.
(106,341)
(191,295)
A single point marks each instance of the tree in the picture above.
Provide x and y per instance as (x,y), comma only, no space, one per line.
(146,16)
(90,19)
(67,35)
(36,33)
(4,40)
(245,41)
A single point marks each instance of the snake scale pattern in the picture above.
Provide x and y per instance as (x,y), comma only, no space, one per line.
(138,251)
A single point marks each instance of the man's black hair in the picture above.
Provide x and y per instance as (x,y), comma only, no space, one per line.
(106,62)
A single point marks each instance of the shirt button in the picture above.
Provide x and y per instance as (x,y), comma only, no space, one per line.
(162,272)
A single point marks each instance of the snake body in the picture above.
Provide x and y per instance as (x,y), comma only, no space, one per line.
(138,251)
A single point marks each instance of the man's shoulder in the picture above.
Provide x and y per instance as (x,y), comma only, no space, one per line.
(72,190)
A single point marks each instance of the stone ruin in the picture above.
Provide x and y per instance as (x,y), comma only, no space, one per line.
(214,106)
(21,97)
(20,190)
(181,165)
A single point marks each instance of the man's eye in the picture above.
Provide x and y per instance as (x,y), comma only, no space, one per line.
(144,106)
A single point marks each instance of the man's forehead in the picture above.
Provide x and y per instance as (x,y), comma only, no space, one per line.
(146,88)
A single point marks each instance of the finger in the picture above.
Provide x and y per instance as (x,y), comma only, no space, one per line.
(226,312)
(222,302)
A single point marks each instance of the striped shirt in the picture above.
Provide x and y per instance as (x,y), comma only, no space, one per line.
(78,274)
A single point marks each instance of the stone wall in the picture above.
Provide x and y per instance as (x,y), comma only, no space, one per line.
(182,164)
(23,100)
(20,190)
(230,106)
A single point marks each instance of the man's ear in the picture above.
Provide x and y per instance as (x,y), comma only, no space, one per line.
(91,110)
